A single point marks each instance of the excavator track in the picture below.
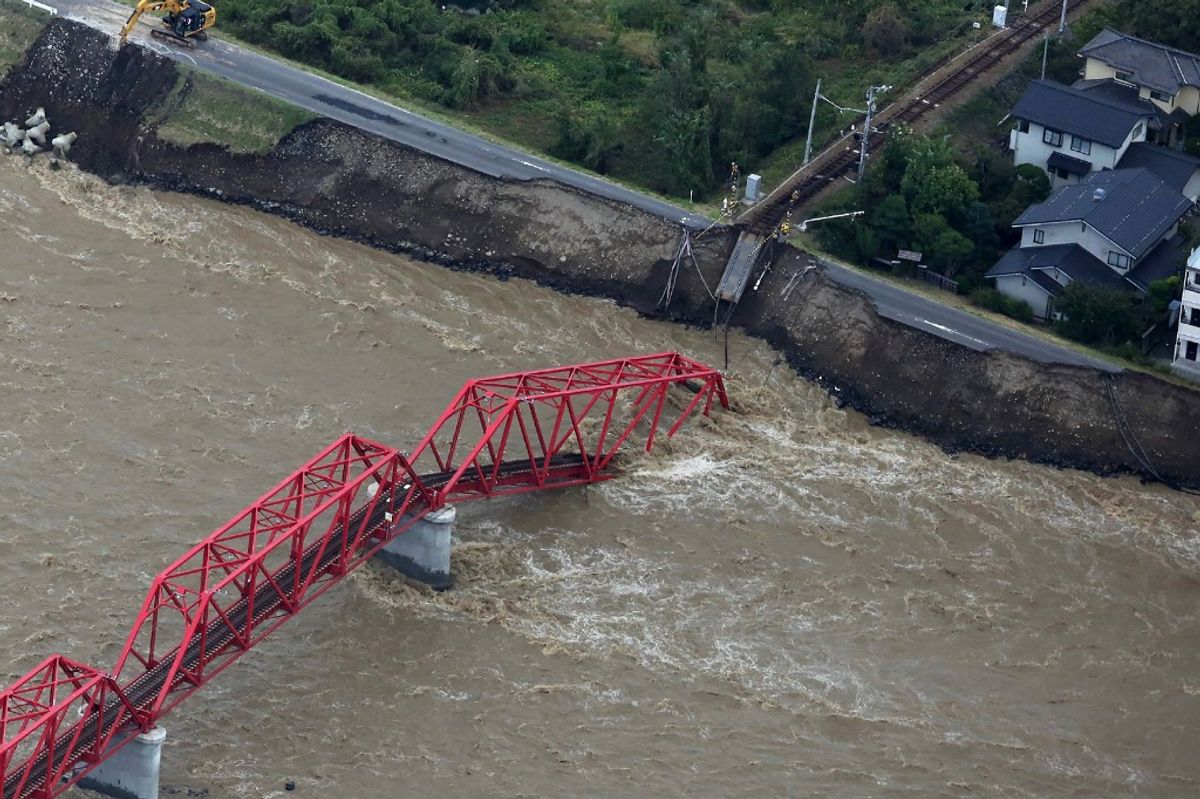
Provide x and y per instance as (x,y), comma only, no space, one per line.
(171,36)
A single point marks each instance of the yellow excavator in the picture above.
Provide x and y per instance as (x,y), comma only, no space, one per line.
(186,21)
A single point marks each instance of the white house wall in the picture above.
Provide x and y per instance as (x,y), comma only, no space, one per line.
(1189,100)
(1029,148)
(1192,189)
(1188,332)
(1022,288)
(1095,69)
(1071,233)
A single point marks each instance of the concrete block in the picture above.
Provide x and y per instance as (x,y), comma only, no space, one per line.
(753,188)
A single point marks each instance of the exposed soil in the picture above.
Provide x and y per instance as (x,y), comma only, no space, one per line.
(344,182)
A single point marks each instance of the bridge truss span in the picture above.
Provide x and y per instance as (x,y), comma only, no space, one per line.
(558,427)
(508,434)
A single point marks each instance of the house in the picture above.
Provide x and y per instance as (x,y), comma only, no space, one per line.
(1164,76)
(1187,340)
(1177,169)
(1167,77)
(1116,229)
(1072,133)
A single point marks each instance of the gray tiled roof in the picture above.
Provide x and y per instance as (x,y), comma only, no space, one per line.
(1152,65)
(1081,113)
(1122,93)
(1077,262)
(1135,212)
(1171,166)
(1163,261)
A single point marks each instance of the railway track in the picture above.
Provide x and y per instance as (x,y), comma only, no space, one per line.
(949,79)
(145,689)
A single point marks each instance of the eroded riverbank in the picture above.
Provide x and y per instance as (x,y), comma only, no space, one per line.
(341,181)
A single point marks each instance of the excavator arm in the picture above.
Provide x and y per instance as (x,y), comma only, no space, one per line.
(142,7)
(185,19)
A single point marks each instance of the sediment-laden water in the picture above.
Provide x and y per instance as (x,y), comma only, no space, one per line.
(781,602)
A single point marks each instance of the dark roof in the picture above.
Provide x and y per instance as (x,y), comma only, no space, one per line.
(1153,65)
(1081,113)
(1136,210)
(1163,261)
(1172,167)
(1125,94)
(1076,166)
(1072,259)
(1014,262)
(1045,282)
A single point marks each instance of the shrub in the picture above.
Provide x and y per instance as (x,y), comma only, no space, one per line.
(998,302)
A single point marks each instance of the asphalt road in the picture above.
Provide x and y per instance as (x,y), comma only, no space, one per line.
(333,100)
(916,310)
(327,98)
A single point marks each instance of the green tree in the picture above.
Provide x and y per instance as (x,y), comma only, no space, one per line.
(478,75)
(588,135)
(885,33)
(950,250)
(1176,24)
(928,228)
(1097,316)
(891,222)
(866,244)
(933,183)
(1162,292)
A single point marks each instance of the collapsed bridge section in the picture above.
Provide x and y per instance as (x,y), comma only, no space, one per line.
(514,433)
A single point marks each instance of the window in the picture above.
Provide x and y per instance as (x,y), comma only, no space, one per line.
(1195,317)
(1052,137)
(1191,351)
(1123,75)
(1137,130)
(1080,145)
(1039,235)
(1023,125)
(1119,260)
(1162,97)
(1083,227)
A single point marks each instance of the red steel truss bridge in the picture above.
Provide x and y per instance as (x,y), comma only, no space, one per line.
(510,434)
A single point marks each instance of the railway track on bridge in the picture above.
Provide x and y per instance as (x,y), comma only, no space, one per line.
(950,79)
(267,600)
(502,435)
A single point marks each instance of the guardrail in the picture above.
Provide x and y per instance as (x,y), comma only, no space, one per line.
(35,4)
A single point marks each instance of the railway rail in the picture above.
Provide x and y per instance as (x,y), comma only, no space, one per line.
(509,434)
(949,79)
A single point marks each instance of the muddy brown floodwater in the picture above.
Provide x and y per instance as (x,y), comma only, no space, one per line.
(783,602)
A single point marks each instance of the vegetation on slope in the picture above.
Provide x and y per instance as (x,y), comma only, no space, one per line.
(19,26)
(662,93)
(202,108)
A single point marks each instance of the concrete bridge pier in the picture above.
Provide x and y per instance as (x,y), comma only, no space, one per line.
(423,551)
(132,773)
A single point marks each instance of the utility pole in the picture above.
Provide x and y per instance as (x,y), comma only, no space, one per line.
(1045,51)
(866,132)
(812,117)
(1062,21)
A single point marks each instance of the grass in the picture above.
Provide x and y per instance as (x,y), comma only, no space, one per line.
(202,108)
(466,121)
(846,87)
(20,24)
